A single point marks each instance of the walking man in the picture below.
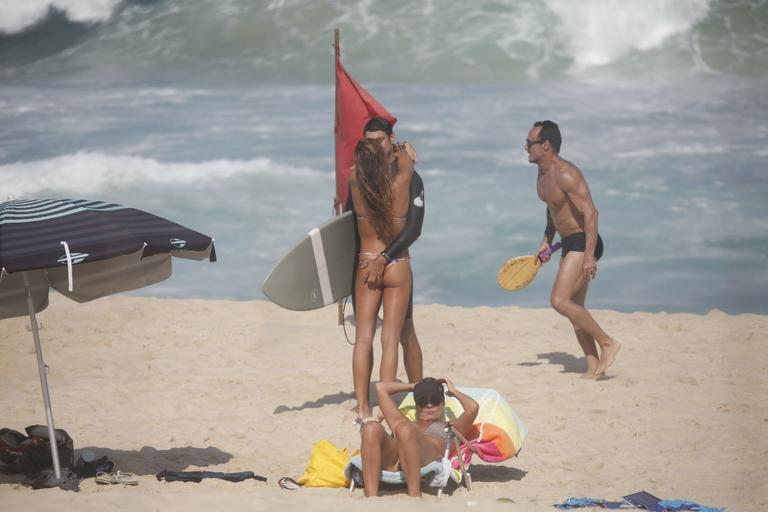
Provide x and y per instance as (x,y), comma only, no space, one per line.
(571,212)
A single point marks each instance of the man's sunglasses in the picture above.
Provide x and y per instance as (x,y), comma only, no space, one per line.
(529,143)
(424,401)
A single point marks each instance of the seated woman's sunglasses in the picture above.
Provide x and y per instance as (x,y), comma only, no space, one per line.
(424,401)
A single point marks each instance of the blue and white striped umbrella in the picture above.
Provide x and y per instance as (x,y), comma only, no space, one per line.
(84,250)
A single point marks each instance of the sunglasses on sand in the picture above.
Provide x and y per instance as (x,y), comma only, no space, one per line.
(426,400)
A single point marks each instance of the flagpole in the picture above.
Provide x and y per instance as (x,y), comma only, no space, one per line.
(337,199)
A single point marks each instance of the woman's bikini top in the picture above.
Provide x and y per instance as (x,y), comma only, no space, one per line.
(437,429)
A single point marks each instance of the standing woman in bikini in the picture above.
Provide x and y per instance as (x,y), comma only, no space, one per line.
(381,200)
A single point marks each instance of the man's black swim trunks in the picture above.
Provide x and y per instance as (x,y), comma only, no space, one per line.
(578,242)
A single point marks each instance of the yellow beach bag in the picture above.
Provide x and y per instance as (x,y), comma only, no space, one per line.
(326,466)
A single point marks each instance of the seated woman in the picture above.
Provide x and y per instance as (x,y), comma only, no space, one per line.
(381,199)
(415,443)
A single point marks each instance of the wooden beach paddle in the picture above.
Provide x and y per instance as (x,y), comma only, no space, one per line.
(518,272)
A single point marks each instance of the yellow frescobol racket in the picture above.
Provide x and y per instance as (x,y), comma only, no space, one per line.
(518,272)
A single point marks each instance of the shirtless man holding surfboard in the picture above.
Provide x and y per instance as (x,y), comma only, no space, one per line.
(570,212)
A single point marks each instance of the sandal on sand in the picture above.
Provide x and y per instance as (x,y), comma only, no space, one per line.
(104,478)
(117,478)
(288,483)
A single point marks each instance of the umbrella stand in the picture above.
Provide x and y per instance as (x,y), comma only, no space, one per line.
(43,379)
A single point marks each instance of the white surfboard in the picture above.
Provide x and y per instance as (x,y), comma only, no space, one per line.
(318,270)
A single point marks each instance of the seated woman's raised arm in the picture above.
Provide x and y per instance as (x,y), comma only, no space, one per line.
(384,392)
(467,418)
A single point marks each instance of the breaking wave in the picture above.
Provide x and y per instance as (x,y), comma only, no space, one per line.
(289,41)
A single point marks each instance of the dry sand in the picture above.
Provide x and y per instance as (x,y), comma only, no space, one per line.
(232,386)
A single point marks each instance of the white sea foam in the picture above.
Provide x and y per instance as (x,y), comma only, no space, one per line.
(18,16)
(481,41)
(690,149)
(86,173)
(627,194)
(421,127)
(599,32)
(717,254)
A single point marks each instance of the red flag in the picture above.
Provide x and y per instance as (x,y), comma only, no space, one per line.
(354,108)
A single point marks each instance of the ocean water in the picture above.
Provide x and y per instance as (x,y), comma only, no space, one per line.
(219,115)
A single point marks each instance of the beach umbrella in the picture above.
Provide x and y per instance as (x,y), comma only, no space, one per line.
(84,250)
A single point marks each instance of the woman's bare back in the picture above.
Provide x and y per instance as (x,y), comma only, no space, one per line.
(370,240)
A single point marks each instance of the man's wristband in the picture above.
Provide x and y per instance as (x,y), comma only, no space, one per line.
(386,258)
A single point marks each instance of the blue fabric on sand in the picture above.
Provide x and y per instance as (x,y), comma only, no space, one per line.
(669,505)
(580,502)
(687,505)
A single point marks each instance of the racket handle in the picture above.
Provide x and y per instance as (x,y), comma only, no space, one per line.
(549,251)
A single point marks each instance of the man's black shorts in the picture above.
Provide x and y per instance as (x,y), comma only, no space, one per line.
(578,242)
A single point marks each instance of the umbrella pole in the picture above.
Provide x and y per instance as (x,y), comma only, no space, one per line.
(43,379)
